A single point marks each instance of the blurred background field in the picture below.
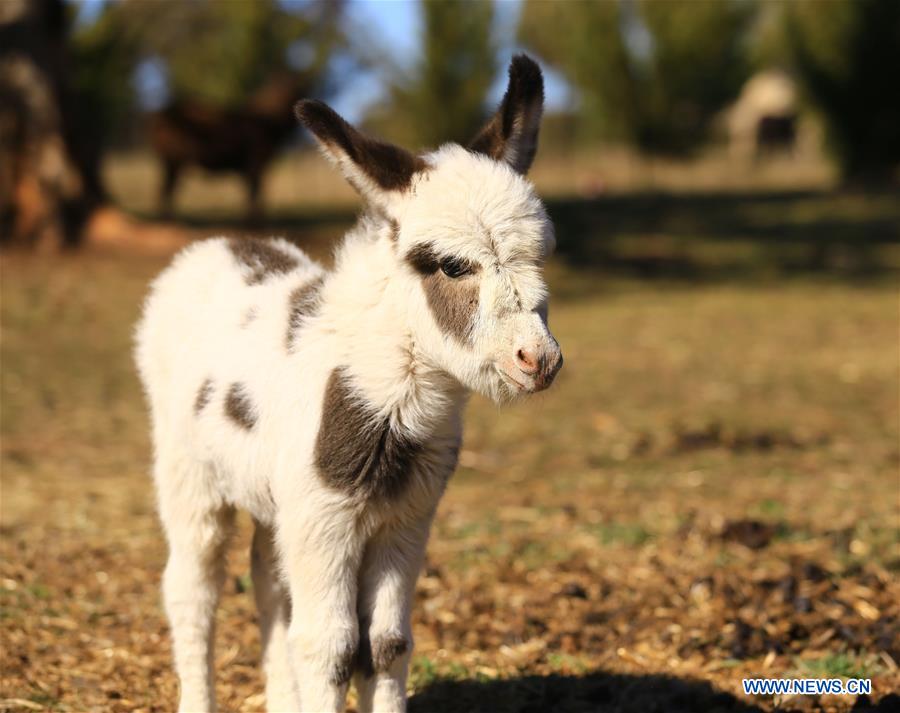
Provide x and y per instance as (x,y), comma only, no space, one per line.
(710,491)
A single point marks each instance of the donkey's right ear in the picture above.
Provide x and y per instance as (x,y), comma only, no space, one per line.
(511,135)
(372,167)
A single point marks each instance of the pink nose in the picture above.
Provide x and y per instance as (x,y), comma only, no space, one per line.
(542,367)
(528,362)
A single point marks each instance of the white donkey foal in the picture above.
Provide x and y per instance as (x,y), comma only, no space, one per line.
(328,404)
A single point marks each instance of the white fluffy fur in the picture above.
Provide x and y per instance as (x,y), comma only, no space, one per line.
(326,563)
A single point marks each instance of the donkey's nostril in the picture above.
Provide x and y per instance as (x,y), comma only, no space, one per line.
(527,361)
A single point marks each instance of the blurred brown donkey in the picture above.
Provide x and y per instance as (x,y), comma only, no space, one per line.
(242,139)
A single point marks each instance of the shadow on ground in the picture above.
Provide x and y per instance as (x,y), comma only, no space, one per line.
(715,236)
(690,237)
(600,692)
(595,692)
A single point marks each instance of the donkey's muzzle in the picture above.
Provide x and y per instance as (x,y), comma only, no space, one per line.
(536,367)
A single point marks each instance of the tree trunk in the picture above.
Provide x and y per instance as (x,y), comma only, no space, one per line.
(49,181)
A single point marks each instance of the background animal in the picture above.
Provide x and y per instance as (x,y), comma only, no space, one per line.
(329,405)
(242,139)
(764,117)
(776,133)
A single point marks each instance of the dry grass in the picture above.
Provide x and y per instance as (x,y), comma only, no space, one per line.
(596,530)
(708,493)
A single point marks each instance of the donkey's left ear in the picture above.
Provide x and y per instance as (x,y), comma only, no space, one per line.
(374,168)
(512,133)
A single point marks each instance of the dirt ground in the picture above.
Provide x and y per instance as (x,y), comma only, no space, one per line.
(709,492)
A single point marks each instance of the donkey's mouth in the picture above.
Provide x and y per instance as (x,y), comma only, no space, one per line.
(514,383)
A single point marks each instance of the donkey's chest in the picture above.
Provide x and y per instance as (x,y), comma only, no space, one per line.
(366,456)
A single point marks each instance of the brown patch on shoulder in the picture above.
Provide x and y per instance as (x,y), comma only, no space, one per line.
(239,408)
(358,452)
(453,301)
(343,668)
(261,259)
(302,303)
(204,394)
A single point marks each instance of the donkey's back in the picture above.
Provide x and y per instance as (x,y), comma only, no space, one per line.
(218,309)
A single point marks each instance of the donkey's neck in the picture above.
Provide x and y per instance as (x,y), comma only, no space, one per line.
(369,309)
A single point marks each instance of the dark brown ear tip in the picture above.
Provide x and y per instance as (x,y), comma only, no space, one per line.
(300,109)
(526,74)
(310,111)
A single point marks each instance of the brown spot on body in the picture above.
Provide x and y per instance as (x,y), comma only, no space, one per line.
(204,394)
(239,408)
(261,259)
(357,451)
(453,301)
(302,303)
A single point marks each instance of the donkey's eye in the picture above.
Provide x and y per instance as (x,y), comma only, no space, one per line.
(454,267)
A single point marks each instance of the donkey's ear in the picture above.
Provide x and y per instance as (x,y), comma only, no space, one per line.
(372,167)
(512,133)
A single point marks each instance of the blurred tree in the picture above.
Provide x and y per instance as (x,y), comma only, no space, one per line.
(845,53)
(221,51)
(583,39)
(49,175)
(67,90)
(650,72)
(696,68)
(103,62)
(216,52)
(442,96)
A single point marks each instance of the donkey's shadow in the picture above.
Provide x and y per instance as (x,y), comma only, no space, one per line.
(596,692)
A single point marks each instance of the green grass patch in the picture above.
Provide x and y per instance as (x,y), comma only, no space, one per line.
(841,665)
(629,534)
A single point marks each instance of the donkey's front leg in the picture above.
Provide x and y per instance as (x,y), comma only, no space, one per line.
(321,564)
(391,565)
(274,607)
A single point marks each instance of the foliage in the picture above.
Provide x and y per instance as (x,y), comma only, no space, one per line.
(442,96)
(217,52)
(104,59)
(221,51)
(844,52)
(696,69)
(653,72)
(583,40)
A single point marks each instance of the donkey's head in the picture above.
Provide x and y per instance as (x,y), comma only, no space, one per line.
(469,238)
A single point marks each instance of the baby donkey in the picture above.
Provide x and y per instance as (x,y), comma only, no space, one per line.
(328,404)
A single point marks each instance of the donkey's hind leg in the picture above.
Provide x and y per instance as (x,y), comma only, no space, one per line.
(197,525)
(274,607)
